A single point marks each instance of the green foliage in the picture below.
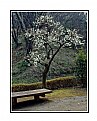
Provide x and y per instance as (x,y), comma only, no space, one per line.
(25,87)
(81,67)
(59,67)
(24,80)
(51,84)
(22,65)
(61,82)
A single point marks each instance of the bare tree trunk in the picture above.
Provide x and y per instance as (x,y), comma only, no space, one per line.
(15,34)
(44,80)
(23,27)
(21,21)
(15,37)
(45,75)
(47,66)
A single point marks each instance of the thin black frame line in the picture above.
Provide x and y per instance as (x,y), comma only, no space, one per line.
(50,10)
(88,65)
(88,61)
(49,112)
(10,62)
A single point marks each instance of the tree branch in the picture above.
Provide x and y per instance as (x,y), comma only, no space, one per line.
(55,54)
(50,48)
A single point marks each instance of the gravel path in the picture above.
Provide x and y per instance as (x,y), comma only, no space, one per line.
(78,103)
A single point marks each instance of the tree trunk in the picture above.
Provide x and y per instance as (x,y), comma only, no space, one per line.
(15,38)
(45,75)
(23,27)
(44,80)
(47,66)
(21,21)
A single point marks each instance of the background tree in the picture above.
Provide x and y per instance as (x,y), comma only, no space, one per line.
(15,31)
(81,67)
(48,38)
(21,21)
(20,18)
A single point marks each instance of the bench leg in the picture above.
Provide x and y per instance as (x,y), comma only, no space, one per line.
(36,97)
(14,101)
(43,95)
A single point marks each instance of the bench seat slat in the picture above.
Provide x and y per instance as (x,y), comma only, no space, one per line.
(30,93)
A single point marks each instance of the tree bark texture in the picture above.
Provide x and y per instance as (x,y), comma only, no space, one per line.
(21,21)
(15,38)
(45,75)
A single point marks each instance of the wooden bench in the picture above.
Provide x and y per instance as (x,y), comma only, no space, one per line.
(36,93)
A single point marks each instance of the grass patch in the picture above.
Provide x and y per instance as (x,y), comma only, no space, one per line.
(67,92)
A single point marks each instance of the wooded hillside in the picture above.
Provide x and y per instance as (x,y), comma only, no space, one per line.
(63,63)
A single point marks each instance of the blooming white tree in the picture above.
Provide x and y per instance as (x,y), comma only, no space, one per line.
(48,37)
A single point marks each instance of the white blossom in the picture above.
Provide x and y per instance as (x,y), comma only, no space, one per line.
(53,34)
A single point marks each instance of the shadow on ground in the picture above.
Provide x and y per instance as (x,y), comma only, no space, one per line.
(28,103)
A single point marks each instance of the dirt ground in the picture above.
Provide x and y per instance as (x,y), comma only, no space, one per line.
(77,103)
